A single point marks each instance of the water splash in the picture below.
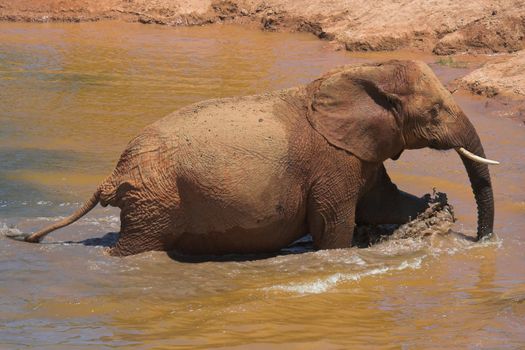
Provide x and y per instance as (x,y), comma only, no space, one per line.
(322,285)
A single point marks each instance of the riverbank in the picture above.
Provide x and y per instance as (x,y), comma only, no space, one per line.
(482,28)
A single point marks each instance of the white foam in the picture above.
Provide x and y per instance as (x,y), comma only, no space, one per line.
(110,219)
(358,261)
(461,245)
(4,229)
(322,285)
(352,259)
(45,218)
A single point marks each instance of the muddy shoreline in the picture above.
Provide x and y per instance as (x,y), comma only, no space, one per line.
(493,32)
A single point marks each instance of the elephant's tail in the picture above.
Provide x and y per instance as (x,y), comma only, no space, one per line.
(90,204)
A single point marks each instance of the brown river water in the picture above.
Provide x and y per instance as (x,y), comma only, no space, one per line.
(72,95)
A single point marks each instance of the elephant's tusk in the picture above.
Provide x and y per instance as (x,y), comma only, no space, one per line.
(474,157)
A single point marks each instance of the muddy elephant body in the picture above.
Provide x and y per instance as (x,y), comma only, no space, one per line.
(231,175)
(253,174)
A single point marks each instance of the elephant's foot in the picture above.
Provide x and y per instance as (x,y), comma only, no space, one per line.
(116,251)
(122,250)
(136,242)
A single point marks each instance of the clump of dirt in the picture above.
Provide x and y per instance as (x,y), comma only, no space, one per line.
(504,76)
(437,219)
(492,34)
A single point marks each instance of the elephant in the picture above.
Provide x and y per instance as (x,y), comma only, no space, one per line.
(253,174)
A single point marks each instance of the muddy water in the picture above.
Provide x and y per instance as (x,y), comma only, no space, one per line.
(71,96)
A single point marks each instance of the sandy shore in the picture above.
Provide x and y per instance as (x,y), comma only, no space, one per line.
(445,27)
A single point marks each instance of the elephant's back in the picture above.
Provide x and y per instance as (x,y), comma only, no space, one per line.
(230,125)
(214,140)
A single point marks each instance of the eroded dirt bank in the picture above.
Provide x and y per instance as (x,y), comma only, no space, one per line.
(442,27)
(445,27)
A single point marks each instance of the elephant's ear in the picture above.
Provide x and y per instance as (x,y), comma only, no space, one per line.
(352,110)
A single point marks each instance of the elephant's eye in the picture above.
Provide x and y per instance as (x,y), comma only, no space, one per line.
(434,112)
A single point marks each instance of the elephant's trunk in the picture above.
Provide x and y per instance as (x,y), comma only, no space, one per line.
(479,176)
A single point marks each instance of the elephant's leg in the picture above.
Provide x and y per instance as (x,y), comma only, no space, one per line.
(328,234)
(331,216)
(138,235)
(145,225)
(135,242)
(384,203)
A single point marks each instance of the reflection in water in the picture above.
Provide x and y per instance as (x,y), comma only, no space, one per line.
(72,95)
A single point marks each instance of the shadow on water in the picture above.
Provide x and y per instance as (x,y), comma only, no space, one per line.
(302,245)
(107,241)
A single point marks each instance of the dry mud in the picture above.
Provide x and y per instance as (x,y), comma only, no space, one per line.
(441,27)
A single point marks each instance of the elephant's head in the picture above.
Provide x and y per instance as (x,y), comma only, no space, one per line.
(375,111)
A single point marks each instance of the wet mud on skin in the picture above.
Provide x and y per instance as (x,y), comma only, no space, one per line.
(71,97)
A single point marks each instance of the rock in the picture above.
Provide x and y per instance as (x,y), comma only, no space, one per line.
(505,76)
